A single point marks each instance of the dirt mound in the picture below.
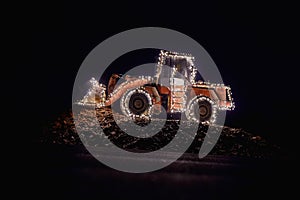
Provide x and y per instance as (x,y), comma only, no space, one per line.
(232,141)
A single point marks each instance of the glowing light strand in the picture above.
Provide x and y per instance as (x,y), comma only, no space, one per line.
(95,95)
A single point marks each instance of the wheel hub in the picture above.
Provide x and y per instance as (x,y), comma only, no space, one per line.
(138,103)
(203,111)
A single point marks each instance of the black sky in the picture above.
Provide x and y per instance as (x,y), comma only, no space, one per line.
(255,47)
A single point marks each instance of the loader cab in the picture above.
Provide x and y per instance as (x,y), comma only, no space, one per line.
(174,73)
(173,66)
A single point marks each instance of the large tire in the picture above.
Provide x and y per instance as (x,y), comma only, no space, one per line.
(202,110)
(136,103)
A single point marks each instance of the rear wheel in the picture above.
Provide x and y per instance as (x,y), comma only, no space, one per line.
(201,109)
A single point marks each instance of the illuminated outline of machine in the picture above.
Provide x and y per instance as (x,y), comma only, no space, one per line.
(173,88)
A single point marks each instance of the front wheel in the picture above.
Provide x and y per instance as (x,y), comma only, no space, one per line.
(201,109)
(137,104)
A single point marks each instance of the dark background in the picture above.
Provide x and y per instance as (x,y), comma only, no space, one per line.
(254,45)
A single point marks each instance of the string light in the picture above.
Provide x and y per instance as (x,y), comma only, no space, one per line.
(178,100)
(95,95)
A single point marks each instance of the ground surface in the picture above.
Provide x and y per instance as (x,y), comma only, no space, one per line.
(242,166)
